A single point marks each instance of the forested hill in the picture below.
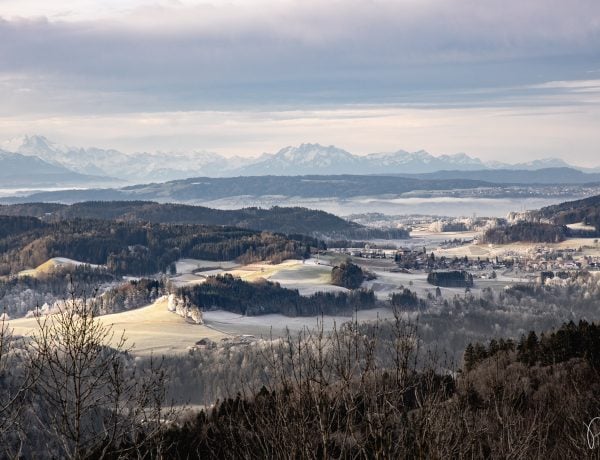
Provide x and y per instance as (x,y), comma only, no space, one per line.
(571,212)
(135,248)
(277,219)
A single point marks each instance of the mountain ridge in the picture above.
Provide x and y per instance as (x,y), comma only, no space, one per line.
(305,159)
(17,170)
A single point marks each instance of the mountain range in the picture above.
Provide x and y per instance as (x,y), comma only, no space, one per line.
(317,159)
(133,168)
(38,156)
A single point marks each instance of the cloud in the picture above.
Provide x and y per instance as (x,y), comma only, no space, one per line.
(198,56)
(488,77)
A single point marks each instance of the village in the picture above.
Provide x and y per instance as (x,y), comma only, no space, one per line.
(484,261)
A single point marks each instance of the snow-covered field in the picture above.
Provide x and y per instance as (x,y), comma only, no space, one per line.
(154,329)
(388,282)
(308,276)
(582,226)
(275,325)
(51,264)
(590,246)
(192,271)
(148,329)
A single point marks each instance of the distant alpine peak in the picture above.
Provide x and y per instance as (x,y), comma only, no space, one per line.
(36,142)
(37,145)
(16,144)
(308,149)
(310,153)
(462,157)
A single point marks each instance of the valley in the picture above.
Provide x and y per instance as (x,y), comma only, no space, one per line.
(153,329)
(229,298)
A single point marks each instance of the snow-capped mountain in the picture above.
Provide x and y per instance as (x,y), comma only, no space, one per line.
(318,159)
(156,167)
(305,159)
(419,162)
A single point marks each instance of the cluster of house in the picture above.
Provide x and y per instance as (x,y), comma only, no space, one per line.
(368,252)
(537,259)
(207,344)
(542,258)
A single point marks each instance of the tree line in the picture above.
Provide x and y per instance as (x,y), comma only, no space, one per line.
(263,297)
(531,232)
(454,278)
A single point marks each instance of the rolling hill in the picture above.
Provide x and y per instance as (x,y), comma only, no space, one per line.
(554,175)
(586,211)
(206,188)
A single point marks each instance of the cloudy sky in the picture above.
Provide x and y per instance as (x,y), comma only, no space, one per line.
(509,80)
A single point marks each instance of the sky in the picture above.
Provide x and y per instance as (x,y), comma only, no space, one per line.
(501,80)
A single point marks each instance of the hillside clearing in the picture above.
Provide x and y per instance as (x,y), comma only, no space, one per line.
(51,264)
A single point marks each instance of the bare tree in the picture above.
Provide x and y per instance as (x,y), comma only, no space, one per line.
(90,400)
(14,385)
(355,392)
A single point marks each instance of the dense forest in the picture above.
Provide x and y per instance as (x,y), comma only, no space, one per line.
(263,297)
(570,341)
(130,294)
(455,278)
(277,219)
(529,232)
(406,300)
(135,248)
